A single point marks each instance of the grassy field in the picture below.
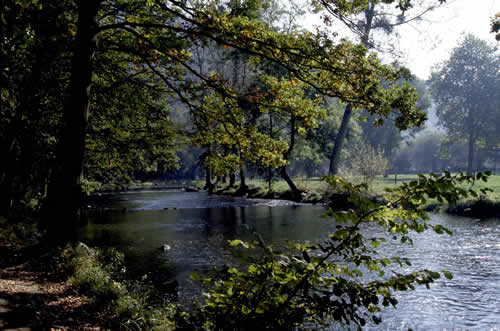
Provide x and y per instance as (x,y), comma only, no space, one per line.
(493,183)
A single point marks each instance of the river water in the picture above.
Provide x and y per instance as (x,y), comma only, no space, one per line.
(197,226)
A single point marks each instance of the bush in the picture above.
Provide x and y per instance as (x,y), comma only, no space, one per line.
(18,234)
(92,278)
(100,275)
(369,163)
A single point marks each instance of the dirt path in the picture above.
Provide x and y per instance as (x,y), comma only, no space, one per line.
(34,294)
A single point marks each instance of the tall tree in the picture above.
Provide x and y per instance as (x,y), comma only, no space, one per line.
(465,90)
(33,67)
(64,193)
(157,34)
(372,18)
(384,135)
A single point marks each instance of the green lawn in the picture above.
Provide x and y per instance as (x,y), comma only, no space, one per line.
(493,183)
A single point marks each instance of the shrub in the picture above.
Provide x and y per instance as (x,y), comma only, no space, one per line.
(18,234)
(369,163)
(91,278)
(100,274)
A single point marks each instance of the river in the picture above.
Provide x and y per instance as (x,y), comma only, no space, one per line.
(196,227)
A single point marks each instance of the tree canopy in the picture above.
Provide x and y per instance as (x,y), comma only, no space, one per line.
(154,37)
(465,90)
(90,90)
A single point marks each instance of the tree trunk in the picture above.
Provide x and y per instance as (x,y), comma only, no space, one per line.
(340,138)
(283,173)
(339,141)
(470,157)
(6,195)
(270,170)
(243,186)
(232,180)
(295,191)
(208,181)
(64,192)
(8,168)
(269,179)
(495,156)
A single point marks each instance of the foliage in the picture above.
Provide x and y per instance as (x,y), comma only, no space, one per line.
(100,274)
(129,126)
(466,93)
(369,163)
(321,284)
(495,26)
(19,234)
(32,73)
(423,154)
(93,279)
(384,134)
(89,85)
(377,24)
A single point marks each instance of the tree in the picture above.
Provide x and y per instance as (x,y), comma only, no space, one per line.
(372,17)
(465,90)
(385,136)
(146,44)
(369,163)
(323,137)
(33,42)
(130,130)
(425,153)
(153,39)
(495,26)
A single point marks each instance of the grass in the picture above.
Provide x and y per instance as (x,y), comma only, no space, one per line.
(493,184)
(100,275)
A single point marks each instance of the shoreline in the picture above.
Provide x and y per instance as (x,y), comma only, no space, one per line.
(480,207)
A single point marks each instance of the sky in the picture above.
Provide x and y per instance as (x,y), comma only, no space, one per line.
(448,24)
(430,42)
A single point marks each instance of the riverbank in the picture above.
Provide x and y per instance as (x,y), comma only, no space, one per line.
(94,281)
(482,207)
(317,193)
(478,208)
(35,292)
(73,288)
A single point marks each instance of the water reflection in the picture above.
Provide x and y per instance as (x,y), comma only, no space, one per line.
(198,237)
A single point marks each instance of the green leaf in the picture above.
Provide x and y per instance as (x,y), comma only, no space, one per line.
(259,310)
(447,274)
(252,269)
(237,242)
